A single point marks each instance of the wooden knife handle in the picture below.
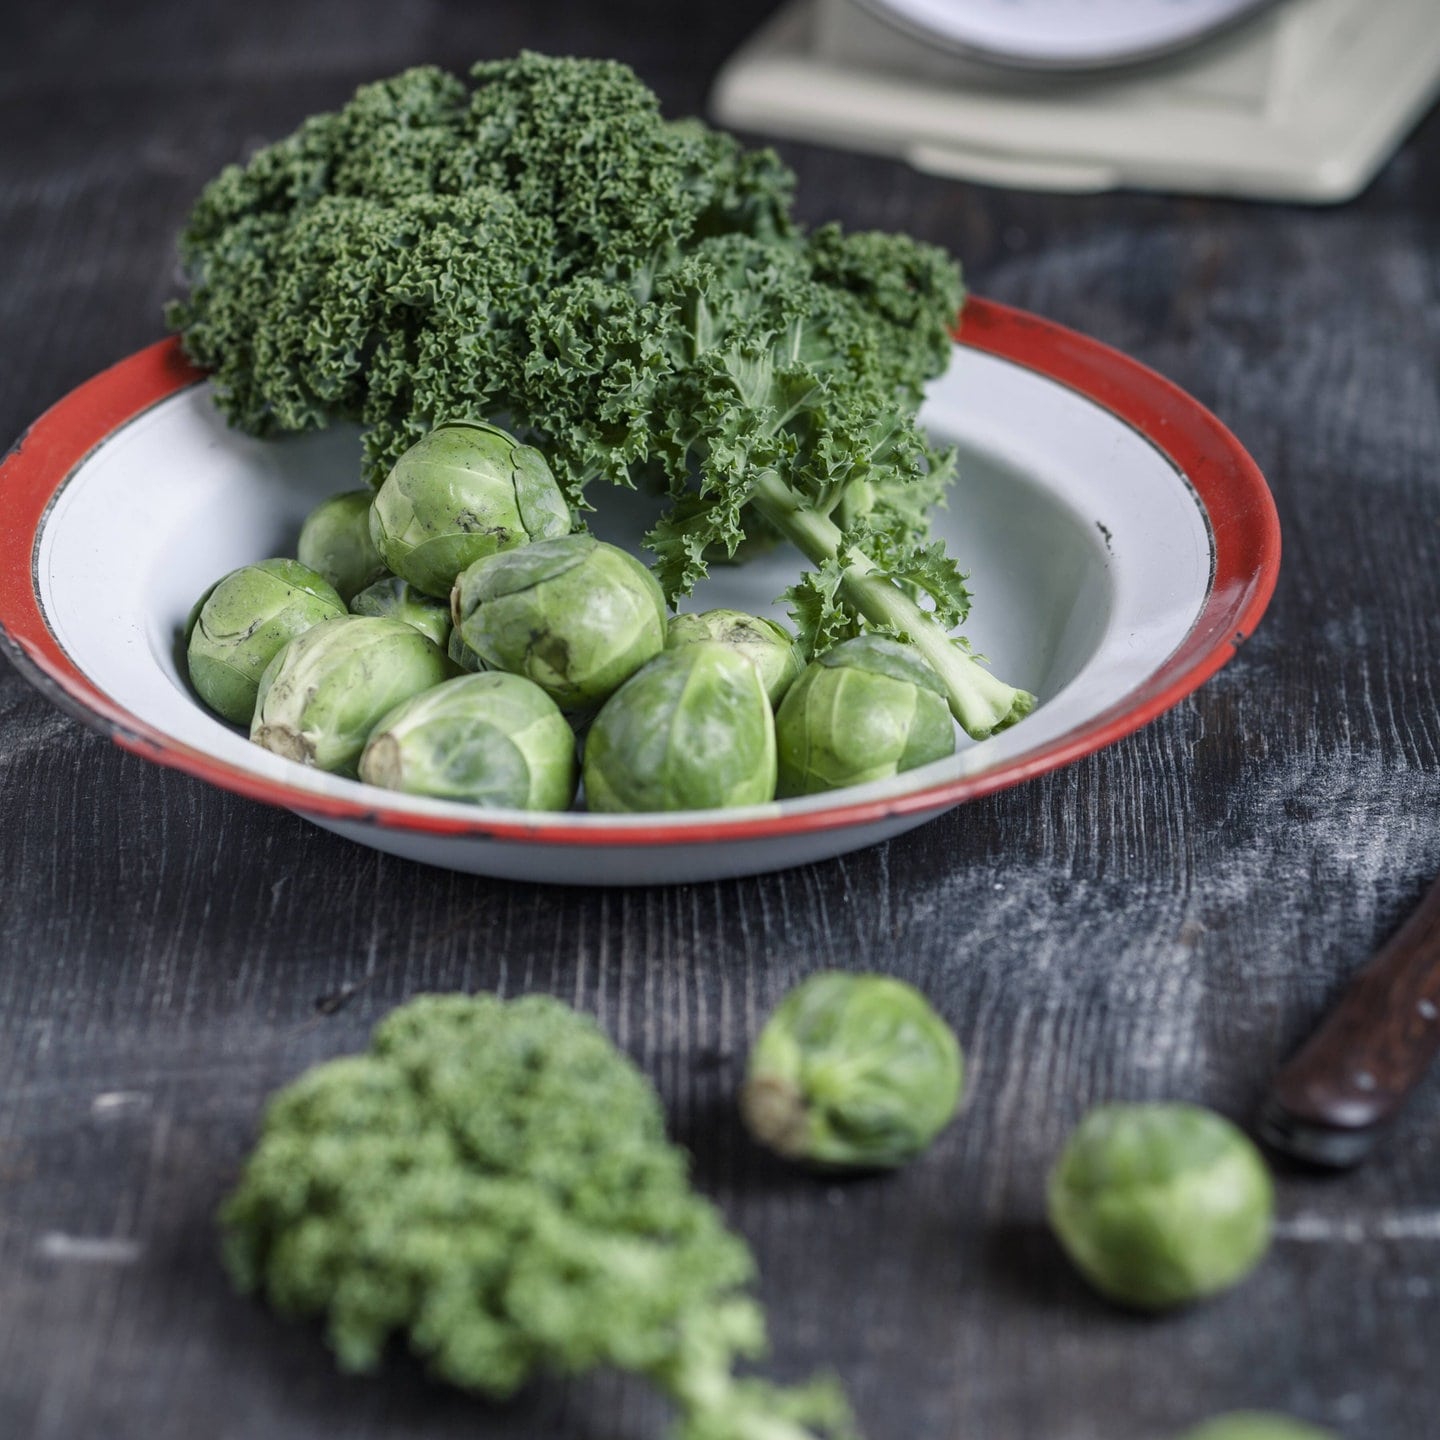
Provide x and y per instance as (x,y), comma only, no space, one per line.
(1328,1102)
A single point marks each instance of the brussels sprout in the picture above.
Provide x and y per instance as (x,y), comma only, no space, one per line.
(691,731)
(464,490)
(866,709)
(576,616)
(1253,1425)
(335,542)
(242,621)
(398,599)
(321,695)
(490,739)
(852,1072)
(460,653)
(771,648)
(193,618)
(1161,1204)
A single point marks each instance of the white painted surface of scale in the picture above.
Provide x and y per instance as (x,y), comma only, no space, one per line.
(1304,100)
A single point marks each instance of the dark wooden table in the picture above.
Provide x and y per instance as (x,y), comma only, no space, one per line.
(1167,919)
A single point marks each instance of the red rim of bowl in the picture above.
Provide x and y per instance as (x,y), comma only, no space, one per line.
(1243,524)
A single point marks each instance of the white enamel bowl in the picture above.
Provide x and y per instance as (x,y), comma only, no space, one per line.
(1120,545)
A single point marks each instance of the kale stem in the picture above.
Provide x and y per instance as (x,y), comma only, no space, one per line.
(980,701)
(699,1377)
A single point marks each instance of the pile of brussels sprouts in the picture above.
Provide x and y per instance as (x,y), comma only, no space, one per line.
(450,636)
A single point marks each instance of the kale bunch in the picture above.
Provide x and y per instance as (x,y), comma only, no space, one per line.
(491,1181)
(542,248)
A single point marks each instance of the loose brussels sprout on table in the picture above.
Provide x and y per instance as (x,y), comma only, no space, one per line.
(1254,1425)
(491,739)
(240,624)
(321,695)
(335,542)
(852,1071)
(398,599)
(576,616)
(691,731)
(866,709)
(771,648)
(465,490)
(1159,1205)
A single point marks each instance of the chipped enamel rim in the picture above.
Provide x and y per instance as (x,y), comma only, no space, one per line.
(1228,487)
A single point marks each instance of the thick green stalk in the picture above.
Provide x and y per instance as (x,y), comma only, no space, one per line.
(980,701)
(699,1376)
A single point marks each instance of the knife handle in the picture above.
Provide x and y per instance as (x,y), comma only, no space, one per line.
(1330,1100)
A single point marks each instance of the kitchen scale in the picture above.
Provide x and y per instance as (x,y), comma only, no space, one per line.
(1273,99)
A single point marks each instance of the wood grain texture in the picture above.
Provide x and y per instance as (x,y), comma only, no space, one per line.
(1166,919)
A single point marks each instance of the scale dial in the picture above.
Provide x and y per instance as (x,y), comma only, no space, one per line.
(1063,34)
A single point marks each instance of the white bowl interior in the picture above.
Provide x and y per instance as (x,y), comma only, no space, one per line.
(1089,556)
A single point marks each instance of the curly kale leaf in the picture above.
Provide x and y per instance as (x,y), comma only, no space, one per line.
(491,1182)
(424,225)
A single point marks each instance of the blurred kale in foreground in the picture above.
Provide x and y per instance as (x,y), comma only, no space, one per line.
(491,1181)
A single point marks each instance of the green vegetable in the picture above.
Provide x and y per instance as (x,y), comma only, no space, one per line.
(461,655)
(1253,1425)
(321,695)
(241,622)
(491,739)
(691,731)
(463,491)
(398,599)
(1161,1204)
(865,710)
(335,542)
(771,648)
(491,1183)
(630,292)
(852,1072)
(576,616)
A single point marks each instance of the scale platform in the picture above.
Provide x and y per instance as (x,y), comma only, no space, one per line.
(1302,101)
